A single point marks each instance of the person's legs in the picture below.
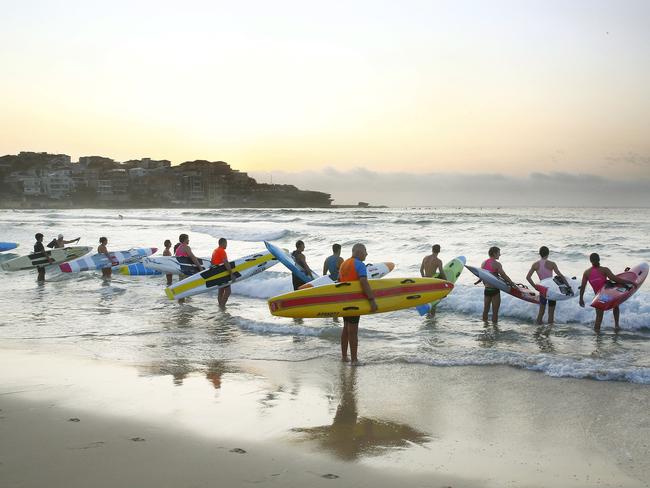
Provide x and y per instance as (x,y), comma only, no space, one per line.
(617,314)
(540,313)
(344,340)
(353,339)
(40,276)
(551,312)
(496,303)
(487,300)
(169,279)
(223,295)
(599,319)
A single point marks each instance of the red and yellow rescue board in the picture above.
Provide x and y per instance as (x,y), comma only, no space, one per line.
(347,298)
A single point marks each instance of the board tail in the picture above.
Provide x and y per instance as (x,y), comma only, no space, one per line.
(170,294)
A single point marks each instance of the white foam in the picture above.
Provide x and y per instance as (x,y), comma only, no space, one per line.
(241,233)
(264,285)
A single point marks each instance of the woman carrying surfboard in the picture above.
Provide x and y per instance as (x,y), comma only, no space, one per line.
(492,296)
(544,269)
(597,277)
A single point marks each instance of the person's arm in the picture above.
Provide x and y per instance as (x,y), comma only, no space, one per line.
(71,241)
(503,275)
(302,262)
(365,286)
(441,272)
(582,289)
(612,277)
(558,273)
(325,267)
(530,275)
(226,264)
(191,255)
(422,273)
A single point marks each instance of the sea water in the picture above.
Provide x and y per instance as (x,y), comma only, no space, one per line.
(130,318)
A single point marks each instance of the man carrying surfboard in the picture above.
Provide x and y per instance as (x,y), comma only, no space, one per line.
(299,259)
(333,263)
(544,269)
(40,249)
(353,269)
(492,296)
(597,277)
(219,256)
(430,265)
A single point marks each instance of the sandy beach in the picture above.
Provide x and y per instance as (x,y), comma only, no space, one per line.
(71,421)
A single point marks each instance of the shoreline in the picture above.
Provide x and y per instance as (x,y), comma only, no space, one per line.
(298,421)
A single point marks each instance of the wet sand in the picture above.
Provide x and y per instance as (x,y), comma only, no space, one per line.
(68,421)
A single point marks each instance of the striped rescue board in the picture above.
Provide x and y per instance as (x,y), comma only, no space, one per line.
(218,276)
(57,256)
(135,269)
(347,299)
(101,261)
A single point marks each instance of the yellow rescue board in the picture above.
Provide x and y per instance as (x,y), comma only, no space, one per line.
(347,299)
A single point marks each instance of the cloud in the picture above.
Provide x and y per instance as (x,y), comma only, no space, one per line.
(477,189)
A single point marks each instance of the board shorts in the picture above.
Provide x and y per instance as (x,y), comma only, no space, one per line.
(297,282)
(354,320)
(544,301)
(490,292)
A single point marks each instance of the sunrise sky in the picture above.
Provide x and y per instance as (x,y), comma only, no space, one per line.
(503,87)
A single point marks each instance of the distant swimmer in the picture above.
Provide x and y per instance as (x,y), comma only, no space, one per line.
(353,269)
(219,257)
(59,242)
(102,249)
(544,269)
(301,262)
(333,263)
(597,277)
(168,252)
(120,216)
(430,265)
(492,296)
(39,250)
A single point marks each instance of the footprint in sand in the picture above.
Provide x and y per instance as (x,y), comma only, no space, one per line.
(238,450)
(74,419)
(330,476)
(138,439)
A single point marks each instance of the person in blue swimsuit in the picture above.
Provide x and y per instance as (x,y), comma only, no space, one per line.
(333,263)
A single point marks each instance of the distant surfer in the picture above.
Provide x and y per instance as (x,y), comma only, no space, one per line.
(58,243)
(39,250)
(333,263)
(301,262)
(353,269)
(168,252)
(597,277)
(430,264)
(492,296)
(102,249)
(220,257)
(544,269)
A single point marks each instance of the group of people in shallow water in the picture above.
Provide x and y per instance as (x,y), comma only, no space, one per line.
(354,269)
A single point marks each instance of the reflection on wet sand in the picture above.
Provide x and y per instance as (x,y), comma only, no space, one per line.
(351,436)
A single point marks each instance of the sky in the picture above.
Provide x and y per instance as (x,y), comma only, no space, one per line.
(318,93)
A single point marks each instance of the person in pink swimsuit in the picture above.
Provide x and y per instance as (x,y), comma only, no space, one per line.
(492,296)
(544,269)
(597,277)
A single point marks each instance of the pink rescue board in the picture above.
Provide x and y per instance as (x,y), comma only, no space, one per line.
(613,294)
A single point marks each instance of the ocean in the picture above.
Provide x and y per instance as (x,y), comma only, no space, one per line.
(130,319)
